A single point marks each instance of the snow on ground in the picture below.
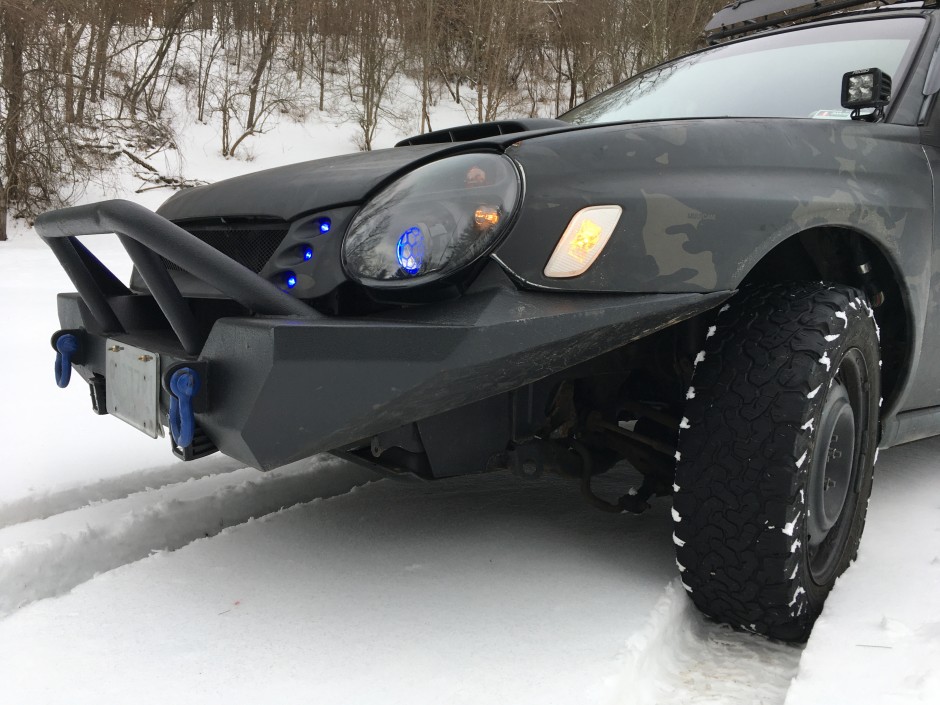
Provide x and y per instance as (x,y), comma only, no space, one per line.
(125,574)
(878,640)
(477,590)
(70,548)
(41,423)
(474,590)
(681,658)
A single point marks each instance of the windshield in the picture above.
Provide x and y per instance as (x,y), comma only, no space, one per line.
(792,74)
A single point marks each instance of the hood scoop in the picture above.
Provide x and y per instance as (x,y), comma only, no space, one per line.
(468,133)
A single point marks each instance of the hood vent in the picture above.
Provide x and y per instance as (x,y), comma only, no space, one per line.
(468,133)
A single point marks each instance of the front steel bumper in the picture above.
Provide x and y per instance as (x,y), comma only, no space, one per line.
(287,382)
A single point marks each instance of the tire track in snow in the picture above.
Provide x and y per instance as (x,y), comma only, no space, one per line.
(47,504)
(55,565)
(683,658)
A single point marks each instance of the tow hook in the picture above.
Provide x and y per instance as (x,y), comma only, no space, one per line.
(66,346)
(184,385)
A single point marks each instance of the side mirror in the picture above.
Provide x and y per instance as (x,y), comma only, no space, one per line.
(864,89)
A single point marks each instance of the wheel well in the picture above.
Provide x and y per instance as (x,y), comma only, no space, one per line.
(842,256)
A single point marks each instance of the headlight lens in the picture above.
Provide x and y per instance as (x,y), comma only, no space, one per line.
(433,221)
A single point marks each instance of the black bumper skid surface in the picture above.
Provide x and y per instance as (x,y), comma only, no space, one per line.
(283,389)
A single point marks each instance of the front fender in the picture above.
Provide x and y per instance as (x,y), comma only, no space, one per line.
(704,200)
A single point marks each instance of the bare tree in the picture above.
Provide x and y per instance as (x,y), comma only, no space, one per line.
(376,64)
(145,84)
(13,31)
(84,84)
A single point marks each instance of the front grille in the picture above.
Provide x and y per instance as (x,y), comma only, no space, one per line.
(250,244)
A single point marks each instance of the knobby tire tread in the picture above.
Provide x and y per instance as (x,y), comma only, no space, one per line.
(751,415)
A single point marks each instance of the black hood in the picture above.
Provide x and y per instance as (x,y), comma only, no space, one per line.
(288,191)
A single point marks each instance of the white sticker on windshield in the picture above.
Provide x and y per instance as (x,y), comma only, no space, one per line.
(832,115)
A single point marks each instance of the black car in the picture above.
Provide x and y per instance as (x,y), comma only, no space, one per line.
(723,271)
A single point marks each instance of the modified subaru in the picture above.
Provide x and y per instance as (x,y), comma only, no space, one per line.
(723,271)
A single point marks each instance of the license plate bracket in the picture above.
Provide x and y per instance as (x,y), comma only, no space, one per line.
(132,380)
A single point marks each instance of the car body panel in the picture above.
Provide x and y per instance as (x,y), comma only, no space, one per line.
(704,200)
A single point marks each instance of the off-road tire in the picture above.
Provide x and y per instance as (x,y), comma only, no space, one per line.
(780,363)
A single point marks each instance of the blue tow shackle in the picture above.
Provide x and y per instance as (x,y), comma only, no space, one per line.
(66,345)
(184,384)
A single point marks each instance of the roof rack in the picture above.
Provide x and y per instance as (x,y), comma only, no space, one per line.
(746,16)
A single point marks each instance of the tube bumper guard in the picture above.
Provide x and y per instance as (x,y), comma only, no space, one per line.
(289,382)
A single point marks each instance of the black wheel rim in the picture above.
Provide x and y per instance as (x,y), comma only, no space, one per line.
(832,485)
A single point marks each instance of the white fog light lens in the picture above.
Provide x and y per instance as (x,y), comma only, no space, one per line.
(583,241)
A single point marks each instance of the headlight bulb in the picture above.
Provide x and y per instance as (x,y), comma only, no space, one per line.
(411,250)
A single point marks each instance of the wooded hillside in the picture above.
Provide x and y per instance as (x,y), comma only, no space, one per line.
(86,82)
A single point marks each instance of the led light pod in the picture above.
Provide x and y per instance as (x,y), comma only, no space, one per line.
(866,88)
(583,241)
(433,222)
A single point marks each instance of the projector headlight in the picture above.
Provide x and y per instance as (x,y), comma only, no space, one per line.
(433,221)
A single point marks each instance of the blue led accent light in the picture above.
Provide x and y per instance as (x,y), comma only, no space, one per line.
(290,279)
(411,250)
(308,253)
(325,225)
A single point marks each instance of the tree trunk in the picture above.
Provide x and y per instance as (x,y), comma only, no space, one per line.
(101,59)
(3,211)
(322,70)
(267,52)
(86,71)
(68,70)
(12,82)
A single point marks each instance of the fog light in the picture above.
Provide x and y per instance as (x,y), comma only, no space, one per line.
(325,225)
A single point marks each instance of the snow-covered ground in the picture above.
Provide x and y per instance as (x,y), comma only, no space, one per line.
(126,576)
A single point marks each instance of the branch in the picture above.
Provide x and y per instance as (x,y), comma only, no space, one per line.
(139,162)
